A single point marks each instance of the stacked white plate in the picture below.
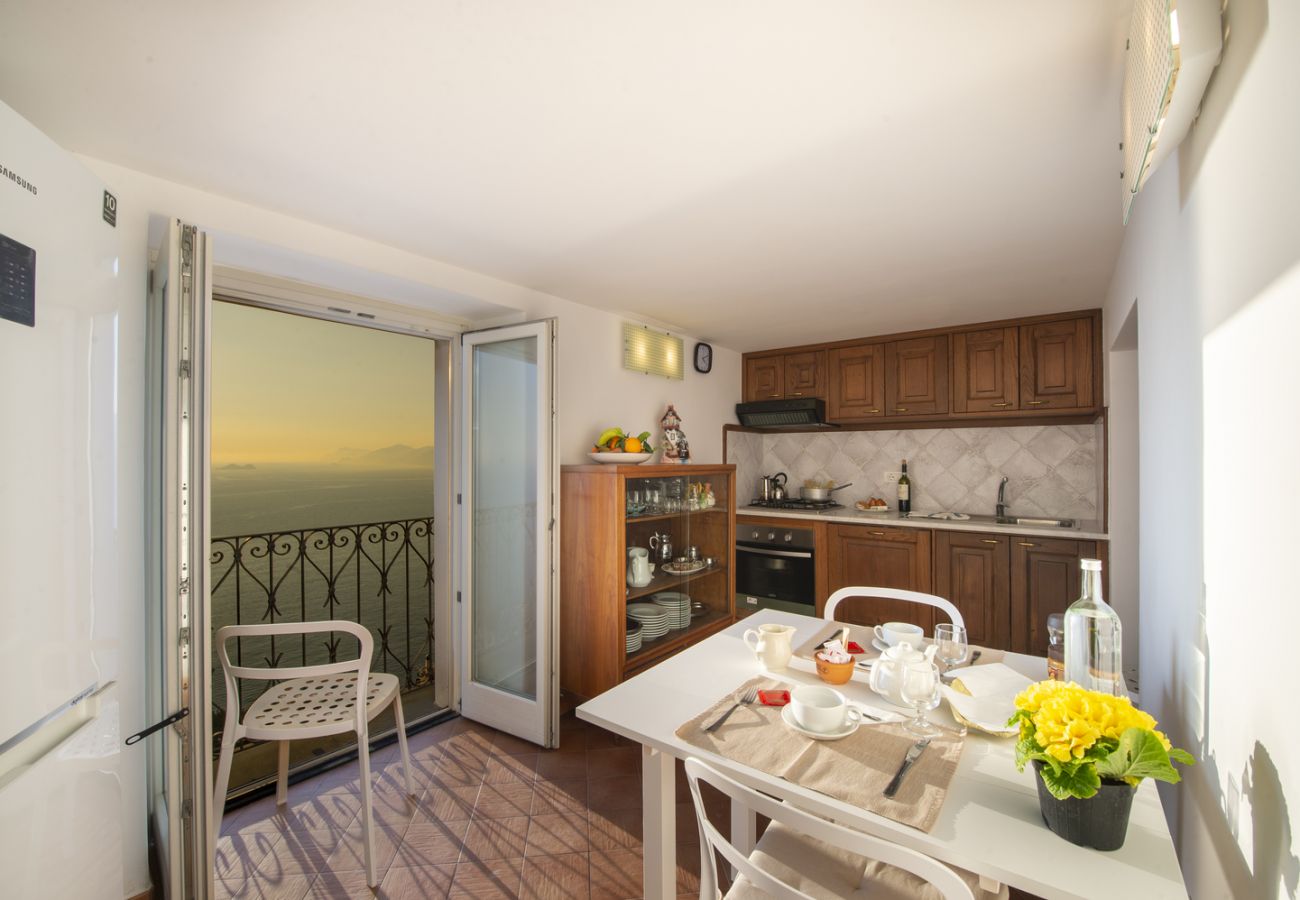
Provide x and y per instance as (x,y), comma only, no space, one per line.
(653,619)
(678,606)
(633,636)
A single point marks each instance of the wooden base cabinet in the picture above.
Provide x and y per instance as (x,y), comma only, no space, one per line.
(604,510)
(879,557)
(1045,579)
(974,572)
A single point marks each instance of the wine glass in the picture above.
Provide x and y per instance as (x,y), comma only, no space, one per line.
(950,639)
(920,690)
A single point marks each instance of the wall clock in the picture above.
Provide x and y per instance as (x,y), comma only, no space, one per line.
(703,358)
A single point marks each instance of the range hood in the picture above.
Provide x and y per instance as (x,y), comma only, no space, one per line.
(803,412)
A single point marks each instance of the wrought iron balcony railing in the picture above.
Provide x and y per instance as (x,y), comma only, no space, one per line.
(380,574)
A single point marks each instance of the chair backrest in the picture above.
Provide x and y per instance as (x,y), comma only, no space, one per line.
(954,614)
(947,882)
(360,665)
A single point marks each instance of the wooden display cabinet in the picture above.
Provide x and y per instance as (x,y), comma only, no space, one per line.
(601,516)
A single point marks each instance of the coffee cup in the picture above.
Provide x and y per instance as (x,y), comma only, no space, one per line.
(891,634)
(822,709)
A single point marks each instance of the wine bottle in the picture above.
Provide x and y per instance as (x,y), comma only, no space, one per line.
(1092,638)
(904,491)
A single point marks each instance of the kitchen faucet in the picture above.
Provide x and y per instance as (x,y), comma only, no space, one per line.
(1002,498)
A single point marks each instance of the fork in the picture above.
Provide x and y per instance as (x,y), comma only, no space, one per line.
(747,698)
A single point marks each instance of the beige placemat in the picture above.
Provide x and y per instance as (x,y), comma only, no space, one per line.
(864,635)
(854,769)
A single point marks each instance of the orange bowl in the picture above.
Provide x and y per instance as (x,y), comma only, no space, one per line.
(833,673)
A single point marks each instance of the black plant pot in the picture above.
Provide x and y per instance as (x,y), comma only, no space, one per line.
(1100,822)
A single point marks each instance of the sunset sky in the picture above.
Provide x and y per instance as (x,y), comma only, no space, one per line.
(291,389)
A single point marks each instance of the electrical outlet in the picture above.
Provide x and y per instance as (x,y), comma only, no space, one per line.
(892,477)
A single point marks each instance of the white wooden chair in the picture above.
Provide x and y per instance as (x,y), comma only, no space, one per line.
(954,614)
(804,857)
(309,702)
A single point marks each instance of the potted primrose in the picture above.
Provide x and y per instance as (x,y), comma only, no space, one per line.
(1090,751)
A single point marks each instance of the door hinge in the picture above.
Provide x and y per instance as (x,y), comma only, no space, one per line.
(183,635)
(185,368)
(458,500)
(184,585)
(458,596)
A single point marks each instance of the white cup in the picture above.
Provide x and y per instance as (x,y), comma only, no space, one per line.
(822,709)
(894,633)
(771,645)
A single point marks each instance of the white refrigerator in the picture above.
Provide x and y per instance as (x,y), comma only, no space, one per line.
(69,541)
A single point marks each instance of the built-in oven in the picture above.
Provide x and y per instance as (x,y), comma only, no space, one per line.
(774,568)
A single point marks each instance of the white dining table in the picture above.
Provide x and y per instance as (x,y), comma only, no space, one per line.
(989,824)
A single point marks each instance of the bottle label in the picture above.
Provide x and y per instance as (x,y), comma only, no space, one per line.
(903,492)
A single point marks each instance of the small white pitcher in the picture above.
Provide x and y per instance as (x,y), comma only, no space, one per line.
(771,645)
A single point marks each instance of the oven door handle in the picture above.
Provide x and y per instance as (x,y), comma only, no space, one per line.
(793,554)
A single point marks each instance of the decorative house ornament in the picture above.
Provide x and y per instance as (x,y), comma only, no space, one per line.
(676,450)
(653,352)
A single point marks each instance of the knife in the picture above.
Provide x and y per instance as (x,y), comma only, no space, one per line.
(913,753)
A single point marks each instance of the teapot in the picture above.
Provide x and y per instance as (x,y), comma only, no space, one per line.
(887,671)
(772,487)
(662,544)
(639,568)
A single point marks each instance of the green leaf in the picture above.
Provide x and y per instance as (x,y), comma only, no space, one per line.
(1139,755)
(1071,780)
(643,436)
(1182,756)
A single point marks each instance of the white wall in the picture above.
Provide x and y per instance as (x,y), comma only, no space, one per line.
(594,390)
(1212,259)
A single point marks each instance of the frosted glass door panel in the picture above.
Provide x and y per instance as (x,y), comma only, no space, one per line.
(508,633)
(504,471)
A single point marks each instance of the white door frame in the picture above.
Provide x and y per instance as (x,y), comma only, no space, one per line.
(534,720)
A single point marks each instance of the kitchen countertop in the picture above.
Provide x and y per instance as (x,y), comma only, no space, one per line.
(1084,529)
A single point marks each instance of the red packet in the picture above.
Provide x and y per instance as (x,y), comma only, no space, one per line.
(855,648)
(774,698)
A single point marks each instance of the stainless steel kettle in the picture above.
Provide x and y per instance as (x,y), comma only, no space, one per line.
(772,487)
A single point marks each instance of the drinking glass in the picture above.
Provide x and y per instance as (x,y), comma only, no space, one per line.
(920,690)
(952,644)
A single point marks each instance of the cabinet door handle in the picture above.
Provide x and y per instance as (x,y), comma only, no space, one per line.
(796,393)
(989,541)
(873,411)
(878,533)
(1001,405)
(774,395)
(1036,403)
(900,409)
(1025,544)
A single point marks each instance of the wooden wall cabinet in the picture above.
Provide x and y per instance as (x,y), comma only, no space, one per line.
(985,371)
(596,528)
(856,383)
(879,557)
(973,570)
(764,378)
(1057,366)
(805,374)
(1036,367)
(916,377)
(1045,579)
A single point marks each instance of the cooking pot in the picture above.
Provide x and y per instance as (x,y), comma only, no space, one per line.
(807,493)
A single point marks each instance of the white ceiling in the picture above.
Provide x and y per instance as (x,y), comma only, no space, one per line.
(758,173)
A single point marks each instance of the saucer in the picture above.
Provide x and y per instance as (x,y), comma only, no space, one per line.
(787,716)
(882,646)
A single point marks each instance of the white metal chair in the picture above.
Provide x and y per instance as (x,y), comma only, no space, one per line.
(804,857)
(309,702)
(954,614)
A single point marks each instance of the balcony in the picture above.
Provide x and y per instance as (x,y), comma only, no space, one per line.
(379,574)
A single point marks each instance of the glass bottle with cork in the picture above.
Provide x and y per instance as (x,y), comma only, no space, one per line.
(904,492)
(1092,638)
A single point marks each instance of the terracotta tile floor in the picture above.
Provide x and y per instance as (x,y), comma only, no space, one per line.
(492,817)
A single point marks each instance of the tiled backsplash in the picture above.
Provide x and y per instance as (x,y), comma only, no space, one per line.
(1054,470)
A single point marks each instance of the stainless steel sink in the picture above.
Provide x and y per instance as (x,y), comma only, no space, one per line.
(1035,521)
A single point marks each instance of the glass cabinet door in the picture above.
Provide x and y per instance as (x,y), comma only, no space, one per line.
(678,557)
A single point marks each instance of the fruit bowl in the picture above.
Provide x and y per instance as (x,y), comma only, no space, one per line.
(626,459)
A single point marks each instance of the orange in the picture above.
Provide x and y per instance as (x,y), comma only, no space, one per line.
(632,445)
